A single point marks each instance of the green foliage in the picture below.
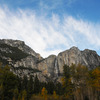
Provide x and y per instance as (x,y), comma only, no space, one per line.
(66,71)
(1,92)
(79,83)
(15,54)
(67,85)
(4,61)
(24,83)
(30,86)
(37,85)
(50,87)
(8,81)
(27,68)
(59,89)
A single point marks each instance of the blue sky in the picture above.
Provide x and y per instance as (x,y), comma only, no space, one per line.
(87,9)
(51,26)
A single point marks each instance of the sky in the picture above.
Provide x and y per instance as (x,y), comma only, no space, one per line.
(52,26)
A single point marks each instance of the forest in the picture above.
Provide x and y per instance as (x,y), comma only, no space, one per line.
(77,83)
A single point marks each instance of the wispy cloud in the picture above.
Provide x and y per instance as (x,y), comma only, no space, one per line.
(48,35)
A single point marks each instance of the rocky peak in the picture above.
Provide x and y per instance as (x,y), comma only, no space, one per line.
(69,57)
(50,67)
(86,57)
(74,48)
(90,51)
(14,43)
(22,46)
(91,58)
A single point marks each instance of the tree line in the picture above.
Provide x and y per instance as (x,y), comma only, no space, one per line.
(77,83)
(80,83)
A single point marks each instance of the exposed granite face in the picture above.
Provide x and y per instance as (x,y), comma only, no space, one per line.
(68,57)
(29,62)
(7,47)
(21,65)
(21,72)
(22,46)
(51,68)
(90,58)
(87,57)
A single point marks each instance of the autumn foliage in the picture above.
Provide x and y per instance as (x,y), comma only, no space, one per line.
(77,83)
(81,83)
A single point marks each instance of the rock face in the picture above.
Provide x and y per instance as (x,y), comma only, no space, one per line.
(21,45)
(87,57)
(25,61)
(20,57)
(48,66)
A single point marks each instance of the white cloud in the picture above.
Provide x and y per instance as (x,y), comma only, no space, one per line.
(48,35)
(89,31)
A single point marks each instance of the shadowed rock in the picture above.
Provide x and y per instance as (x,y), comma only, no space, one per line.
(48,68)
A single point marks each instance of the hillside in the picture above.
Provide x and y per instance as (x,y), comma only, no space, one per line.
(25,61)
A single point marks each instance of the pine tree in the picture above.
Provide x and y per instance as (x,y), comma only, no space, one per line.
(36,85)
(1,92)
(50,87)
(9,82)
(67,84)
(30,89)
(24,83)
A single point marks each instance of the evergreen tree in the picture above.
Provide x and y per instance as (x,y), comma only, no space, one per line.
(20,84)
(59,89)
(30,89)
(9,82)
(1,92)
(24,83)
(37,86)
(50,87)
(67,84)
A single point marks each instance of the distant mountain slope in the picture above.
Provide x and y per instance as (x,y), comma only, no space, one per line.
(7,51)
(25,61)
(52,66)
(20,45)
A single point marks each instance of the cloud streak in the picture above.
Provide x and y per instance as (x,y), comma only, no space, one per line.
(48,35)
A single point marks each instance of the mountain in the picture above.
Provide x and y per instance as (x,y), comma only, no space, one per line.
(25,61)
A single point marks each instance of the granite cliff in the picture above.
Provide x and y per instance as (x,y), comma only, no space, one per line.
(25,61)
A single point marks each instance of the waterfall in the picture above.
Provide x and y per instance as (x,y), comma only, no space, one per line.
(56,67)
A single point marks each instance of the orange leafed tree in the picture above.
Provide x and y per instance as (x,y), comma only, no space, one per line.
(44,93)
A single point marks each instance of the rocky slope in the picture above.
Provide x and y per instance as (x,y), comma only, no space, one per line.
(24,61)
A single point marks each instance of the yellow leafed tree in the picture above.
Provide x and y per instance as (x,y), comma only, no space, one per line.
(96,80)
(55,95)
